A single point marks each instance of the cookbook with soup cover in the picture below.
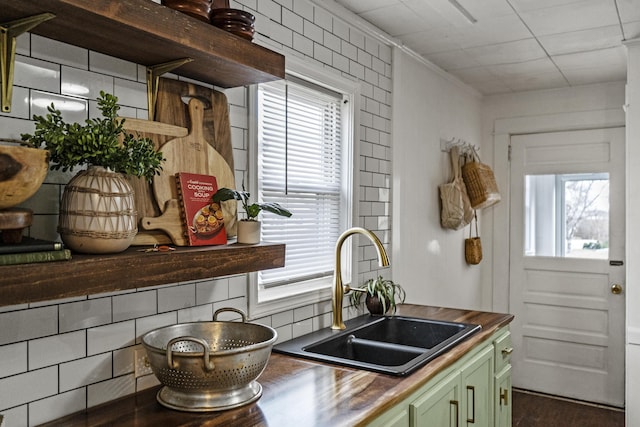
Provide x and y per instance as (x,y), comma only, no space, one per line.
(202,218)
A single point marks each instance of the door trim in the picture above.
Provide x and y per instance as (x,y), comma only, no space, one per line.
(499,215)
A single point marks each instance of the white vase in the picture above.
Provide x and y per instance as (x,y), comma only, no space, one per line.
(249,232)
(97,213)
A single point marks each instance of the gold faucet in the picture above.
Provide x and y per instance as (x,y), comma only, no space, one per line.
(338,288)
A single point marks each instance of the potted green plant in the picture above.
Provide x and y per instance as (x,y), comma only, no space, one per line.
(97,212)
(249,227)
(382,295)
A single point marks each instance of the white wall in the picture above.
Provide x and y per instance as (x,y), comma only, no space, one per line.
(633,233)
(427,259)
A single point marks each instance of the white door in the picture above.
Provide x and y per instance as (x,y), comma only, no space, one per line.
(567,260)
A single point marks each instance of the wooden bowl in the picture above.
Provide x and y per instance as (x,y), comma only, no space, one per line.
(22,171)
(199,9)
(233,15)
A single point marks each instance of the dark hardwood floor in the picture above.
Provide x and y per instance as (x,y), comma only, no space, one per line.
(537,410)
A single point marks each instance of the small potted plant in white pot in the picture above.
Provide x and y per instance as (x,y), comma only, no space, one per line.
(97,212)
(249,227)
(382,295)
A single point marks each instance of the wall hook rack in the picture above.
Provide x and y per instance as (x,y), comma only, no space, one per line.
(465,147)
(9,31)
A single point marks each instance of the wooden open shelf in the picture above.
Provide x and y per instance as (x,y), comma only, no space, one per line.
(149,34)
(93,274)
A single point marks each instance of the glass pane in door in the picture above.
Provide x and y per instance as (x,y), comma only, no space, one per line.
(567,215)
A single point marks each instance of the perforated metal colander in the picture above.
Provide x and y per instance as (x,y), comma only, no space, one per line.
(209,366)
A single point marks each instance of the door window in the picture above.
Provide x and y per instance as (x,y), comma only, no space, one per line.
(567,215)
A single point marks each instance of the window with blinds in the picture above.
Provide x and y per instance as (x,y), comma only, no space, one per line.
(301,166)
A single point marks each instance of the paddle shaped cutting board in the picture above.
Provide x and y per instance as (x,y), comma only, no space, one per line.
(192,153)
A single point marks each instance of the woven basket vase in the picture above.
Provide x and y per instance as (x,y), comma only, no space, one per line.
(97,213)
(481,185)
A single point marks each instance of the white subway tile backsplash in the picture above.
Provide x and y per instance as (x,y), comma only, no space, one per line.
(271,9)
(85,314)
(111,389)
(292,20)
(56,349)
(28,324)
(85,371)
(54,407)
(239,303)
(84,84)
(130,306)
(123,360)
(176,297)
(110,337)
(27,387)
(16,417)
(13,359)
(23,44)
(304,9)
(131,93)
(212,290)
(19,103)
(201,313)
(303,313)
(302,328)
(238,286)
(281,319)
(116,67)
(285,333)
(145,324)
(71,109)
(36,74)
(303,44)
(62,53)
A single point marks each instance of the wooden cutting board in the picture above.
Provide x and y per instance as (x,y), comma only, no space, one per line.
(160,222)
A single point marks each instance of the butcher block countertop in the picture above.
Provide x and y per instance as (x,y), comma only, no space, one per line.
(300,392)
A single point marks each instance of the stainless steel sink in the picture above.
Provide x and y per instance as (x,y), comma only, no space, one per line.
(395,345)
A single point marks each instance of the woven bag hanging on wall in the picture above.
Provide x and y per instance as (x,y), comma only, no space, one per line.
(473,246)
(480,182)
(456,210)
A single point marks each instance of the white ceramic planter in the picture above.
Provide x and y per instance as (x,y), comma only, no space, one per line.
(97,213)
(249,232)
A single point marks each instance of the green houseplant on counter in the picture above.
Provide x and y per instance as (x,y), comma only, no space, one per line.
(97,212)
(249,228)
(382,295)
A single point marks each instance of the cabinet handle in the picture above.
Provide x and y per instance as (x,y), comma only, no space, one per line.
(504,396)
(454,403)
(507,351)
(473,404)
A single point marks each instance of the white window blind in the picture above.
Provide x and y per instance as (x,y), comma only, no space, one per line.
(300,166)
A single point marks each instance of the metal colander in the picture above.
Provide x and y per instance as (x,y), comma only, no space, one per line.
(209,366)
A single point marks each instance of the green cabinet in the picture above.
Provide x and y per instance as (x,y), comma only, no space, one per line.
(439,406)
(473,392)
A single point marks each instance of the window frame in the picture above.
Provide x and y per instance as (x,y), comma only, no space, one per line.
(263,302)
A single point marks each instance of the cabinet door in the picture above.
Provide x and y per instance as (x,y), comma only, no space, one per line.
(503,398)
(440,406)
(477,390)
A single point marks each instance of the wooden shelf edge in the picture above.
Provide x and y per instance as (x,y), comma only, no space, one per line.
(148,33)
(94,274)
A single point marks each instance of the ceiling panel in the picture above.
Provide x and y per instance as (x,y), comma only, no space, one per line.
(514,45)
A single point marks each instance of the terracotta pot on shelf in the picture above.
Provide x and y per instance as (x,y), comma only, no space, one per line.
(97,213)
